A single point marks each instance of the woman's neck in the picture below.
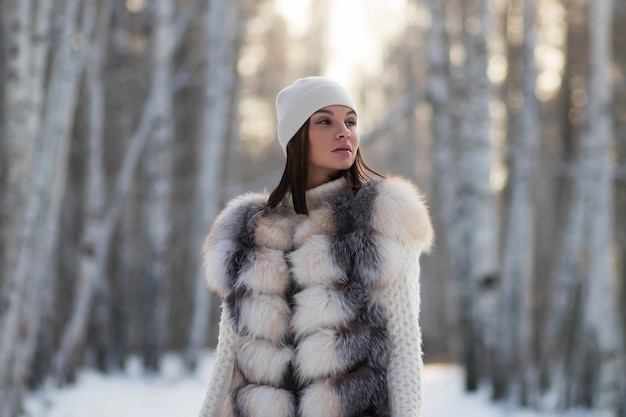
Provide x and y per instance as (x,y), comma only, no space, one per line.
(317,177)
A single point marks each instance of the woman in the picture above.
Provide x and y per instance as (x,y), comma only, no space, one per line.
(319,281)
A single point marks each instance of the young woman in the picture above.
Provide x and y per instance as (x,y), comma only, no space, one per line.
(319,280)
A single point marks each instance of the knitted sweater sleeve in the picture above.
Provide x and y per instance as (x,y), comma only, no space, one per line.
(400,218)
(404,372)
(222,371)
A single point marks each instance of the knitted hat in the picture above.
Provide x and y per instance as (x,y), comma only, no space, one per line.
(297,102)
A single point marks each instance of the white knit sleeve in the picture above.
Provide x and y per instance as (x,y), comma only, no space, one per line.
(404,372)
(222,372)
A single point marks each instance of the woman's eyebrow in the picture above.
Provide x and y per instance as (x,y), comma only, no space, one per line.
(332,114)
(325,111)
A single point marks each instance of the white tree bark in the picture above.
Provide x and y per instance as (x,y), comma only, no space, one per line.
(42,278)
(18,137)
(445,175)
(476,205)
(35,75)
(159,172)
(98,230)
(45,190)
(19,154)
(87,284)
(602,322)
(223,25)
(516,370)
(530,123)
(588,236)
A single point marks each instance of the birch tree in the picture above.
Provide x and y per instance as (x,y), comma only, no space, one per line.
(224,22)
(594,344)
(16,106)
(516,372)
(159,172)
(604,336)
(100,223)
(45,188)
(87,284)
(559,328)
(445,175)
(475,208)
(90,261)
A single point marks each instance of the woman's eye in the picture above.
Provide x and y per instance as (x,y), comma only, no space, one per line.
(323,122)
(351,123)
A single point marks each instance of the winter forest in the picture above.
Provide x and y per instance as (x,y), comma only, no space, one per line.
(125,125)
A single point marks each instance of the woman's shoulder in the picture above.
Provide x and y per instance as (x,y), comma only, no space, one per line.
(237,210)
(400,211)
(249,200)
(221,243)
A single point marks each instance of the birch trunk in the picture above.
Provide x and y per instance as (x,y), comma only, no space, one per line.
(476,205)
(602,322)
(561,323)
(445,176)
(43,279)
(74,333)
(159,171)
(19,155)
(530,123)
(35,75)
(223,26)
(515,372)
(18,137)
(92,255)
(97,246)
(18,159)
(41,213)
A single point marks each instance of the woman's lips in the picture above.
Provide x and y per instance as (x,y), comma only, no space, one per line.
(343,150)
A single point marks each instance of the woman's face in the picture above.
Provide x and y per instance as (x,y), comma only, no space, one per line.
(333,142)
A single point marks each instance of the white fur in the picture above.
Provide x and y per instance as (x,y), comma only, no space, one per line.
(319,307)
(319,222)
(266,317)
(313,264)
(401,214)
(266,401)
(392,262)
(400,221)
(317,356)
(228,220)
(214,256)
(268,274)
(262,361)
(273,232)
(218,245)
(319,400)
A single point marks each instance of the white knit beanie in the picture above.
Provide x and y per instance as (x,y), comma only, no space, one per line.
(297,102)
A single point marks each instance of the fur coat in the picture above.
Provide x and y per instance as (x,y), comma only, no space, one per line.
(319,311)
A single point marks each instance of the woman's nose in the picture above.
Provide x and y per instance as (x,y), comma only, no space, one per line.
(344,132)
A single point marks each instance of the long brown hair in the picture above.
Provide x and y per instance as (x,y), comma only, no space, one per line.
(296,171)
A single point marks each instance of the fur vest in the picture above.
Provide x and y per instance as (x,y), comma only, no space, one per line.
(305,296)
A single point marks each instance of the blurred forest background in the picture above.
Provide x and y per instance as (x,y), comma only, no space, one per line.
(126,124)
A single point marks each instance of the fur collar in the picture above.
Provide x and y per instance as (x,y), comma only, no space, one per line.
(399,213)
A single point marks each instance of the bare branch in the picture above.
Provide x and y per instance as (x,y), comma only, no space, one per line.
(131,159)
(182,21)
(404,109)
(184,74)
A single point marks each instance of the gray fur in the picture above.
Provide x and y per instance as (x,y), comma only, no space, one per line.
(361,342)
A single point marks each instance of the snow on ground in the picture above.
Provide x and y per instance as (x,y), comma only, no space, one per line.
(173,393)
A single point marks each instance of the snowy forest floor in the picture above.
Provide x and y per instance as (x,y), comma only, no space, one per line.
(175,393)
